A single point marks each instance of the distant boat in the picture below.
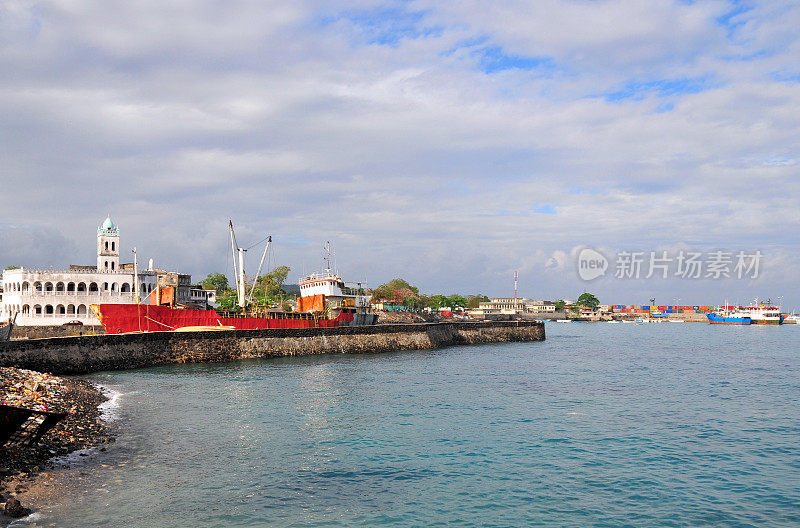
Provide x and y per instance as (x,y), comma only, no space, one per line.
(723,316)
(764,314)
(792,319)
(676,320)
(562,320)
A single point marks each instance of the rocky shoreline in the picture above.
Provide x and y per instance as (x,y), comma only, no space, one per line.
(21,467)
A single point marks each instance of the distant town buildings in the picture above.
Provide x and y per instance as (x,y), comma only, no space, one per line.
(51,298)
(510,306)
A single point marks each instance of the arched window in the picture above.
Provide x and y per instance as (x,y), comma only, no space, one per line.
(82,309)
(105,264)
(48,309)
(71,309)
(81,286)
(106,245)
(60,310)
(125,288)
(70,286)
(48,286)
(113,248)
(93,287)
(60,287)
(26,286)
(26,309)
(37,309)
(105,286)
(113,287)
(112,266)
(37,286)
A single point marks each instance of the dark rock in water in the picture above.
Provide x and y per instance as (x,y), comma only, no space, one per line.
(15,509)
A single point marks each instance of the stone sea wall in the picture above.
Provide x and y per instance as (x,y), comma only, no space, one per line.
(92,353)
(42,332)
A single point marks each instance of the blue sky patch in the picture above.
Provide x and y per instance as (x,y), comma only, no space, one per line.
(493,60)
(387,26)
(637,90)
(544,209)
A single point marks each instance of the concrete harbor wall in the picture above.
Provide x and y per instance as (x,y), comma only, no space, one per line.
(93,353)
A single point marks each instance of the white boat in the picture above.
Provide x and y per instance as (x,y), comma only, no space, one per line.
(676,320)
(764,314)
(327,292)
(563,320)
(792,319)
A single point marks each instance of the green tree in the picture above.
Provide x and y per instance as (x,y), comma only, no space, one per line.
(473,301)
(588,300)
(560,305)
(397,291)
(227,300)
(456,301)
(215,281)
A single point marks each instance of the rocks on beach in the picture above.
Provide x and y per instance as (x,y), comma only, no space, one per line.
(81,429)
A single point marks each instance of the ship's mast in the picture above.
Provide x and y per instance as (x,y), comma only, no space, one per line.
(258,273)
(328,257)
(240,285)
(238,273)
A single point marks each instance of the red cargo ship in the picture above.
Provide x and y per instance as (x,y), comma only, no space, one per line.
(122,318)
(325,301)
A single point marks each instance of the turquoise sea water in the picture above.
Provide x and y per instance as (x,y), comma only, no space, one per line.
(600,425)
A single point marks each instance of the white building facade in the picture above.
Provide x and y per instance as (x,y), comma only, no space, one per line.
(52,298)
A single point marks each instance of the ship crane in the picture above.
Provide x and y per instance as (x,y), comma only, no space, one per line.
(238,272)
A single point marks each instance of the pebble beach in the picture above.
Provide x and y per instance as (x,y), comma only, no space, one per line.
(23,469)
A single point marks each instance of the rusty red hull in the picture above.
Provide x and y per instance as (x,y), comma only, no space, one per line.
(123,318)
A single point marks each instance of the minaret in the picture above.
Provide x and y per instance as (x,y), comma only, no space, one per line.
(108,247)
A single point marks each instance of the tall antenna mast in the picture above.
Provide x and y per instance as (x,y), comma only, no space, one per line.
(515,290)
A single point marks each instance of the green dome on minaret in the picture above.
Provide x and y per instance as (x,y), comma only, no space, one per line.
(108,227)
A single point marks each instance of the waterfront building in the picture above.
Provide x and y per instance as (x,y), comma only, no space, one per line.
(55,297)
(202,298)
(511,306)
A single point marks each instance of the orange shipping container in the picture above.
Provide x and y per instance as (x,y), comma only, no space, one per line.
(311,303)
(162,296)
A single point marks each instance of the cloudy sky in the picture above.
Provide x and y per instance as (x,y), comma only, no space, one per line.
(449,143)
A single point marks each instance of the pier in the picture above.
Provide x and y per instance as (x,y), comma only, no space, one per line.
(94,353)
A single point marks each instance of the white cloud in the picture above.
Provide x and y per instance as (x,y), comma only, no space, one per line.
(293,120)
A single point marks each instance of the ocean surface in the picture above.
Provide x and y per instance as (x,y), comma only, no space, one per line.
(599,425)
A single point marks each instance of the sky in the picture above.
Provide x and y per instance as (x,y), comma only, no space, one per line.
(447,143)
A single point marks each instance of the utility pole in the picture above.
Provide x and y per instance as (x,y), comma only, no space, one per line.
(135,277)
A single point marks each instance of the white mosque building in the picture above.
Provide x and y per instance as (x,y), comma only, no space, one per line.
(52,298)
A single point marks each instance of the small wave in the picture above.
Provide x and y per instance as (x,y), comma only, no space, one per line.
(109,409)
(29,520)
(75,457)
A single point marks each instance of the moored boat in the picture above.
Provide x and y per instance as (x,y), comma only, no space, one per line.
(764,314)
(728,316)
(325,301)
